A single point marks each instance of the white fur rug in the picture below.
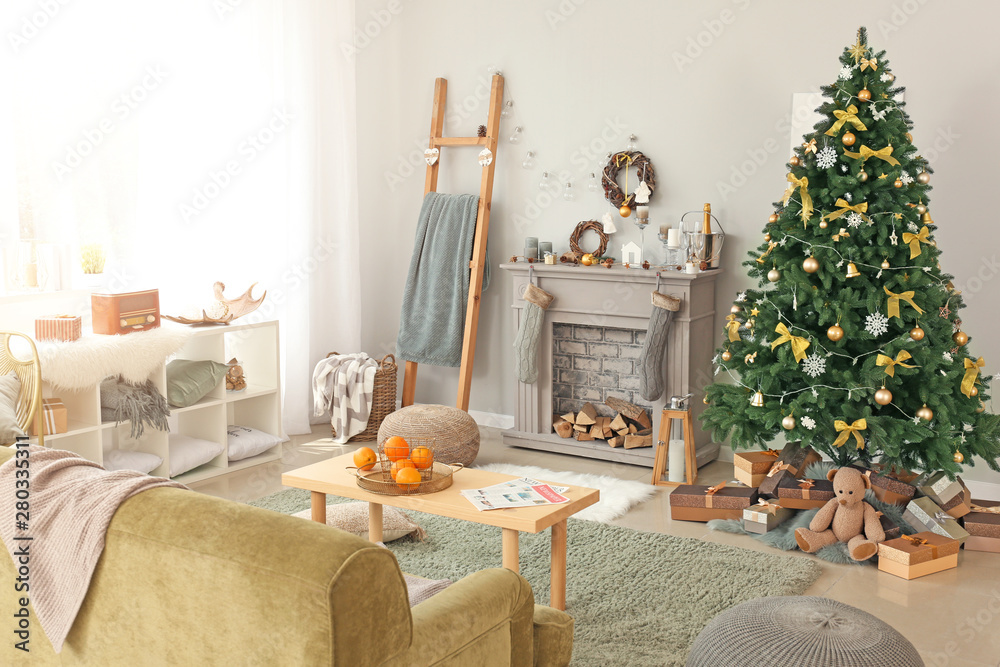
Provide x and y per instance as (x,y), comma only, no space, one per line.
(81,364)
(618,496)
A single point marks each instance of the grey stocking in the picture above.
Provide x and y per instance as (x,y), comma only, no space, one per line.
(650,365)
(526,341)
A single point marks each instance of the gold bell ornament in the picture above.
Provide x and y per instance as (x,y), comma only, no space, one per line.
(926,219)
(852,270)
(758,400)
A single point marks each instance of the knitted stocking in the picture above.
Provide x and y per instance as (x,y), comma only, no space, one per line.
(526,341)
(650,365)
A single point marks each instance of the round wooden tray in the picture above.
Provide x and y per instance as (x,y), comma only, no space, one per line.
(436,478)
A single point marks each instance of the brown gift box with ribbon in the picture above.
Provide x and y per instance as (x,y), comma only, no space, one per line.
(694,502)
(960,505)
(791,463)
(888,489)
(925,513)
(940,489)
(804,494)
(912,556)
(891,529)
(751,467)
(764,516)
(983,524)
(54,417)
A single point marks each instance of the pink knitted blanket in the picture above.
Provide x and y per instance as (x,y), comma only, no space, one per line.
(59,538)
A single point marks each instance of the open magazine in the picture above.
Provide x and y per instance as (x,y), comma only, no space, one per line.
(521,492)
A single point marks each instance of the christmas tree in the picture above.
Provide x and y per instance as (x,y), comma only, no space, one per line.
(852,343)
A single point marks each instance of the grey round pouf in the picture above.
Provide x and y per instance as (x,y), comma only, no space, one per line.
(800,632)
(451,433)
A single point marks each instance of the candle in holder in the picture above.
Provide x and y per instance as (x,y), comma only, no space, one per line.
(642,212)
(691,267)
(531,252)
(544,247)
(531,242)
(674,238)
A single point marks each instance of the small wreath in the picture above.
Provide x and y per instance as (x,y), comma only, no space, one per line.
(612,192)
(588,225)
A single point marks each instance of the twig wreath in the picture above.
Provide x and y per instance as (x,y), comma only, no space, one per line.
(612,192)
(585,226)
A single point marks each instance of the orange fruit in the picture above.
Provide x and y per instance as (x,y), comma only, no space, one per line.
(422,457)
(408,479)
(365,458)
(399,465)
(396,448)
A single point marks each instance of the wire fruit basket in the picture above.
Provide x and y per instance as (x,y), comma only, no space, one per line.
(398,454)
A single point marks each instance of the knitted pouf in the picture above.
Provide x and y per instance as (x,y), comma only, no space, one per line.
(800,632)
(451,433)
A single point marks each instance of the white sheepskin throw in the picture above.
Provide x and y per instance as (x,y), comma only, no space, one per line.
(83,363)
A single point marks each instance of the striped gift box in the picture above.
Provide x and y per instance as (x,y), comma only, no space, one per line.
(54,417)
(59,327)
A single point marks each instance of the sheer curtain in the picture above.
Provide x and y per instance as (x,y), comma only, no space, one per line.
(192,141)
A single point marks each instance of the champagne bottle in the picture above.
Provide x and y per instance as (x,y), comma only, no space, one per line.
(707,226)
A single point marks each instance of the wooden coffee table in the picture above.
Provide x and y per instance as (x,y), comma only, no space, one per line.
(334,477)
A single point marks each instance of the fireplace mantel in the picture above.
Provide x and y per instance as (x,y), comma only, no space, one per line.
(617,298)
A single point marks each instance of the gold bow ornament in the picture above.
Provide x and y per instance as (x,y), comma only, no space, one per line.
(849,116)
(846,430)
(802,184)
(711,491)
(890,363)
(770,247)
(972,367)
(842,234)
(916,239)
(771,452)
(864,153)
(809,147)
(894,299)
(733,327)
(873,63)
(846,207)
(799,344)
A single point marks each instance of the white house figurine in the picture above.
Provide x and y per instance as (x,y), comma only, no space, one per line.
(631,253)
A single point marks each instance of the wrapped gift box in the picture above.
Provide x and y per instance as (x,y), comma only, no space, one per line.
(751,468)
(59,327)
(912,556)
(891,529)
(983,525)
(764,516)
(960,505)
(940,489)
(54,417)
(804,494)
(791,463)
(902,474)
(925,514)
(694,502)
(888,489)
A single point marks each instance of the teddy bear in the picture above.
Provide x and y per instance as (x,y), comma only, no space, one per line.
(845,518)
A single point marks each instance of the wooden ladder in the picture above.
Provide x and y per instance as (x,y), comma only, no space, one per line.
(478,262)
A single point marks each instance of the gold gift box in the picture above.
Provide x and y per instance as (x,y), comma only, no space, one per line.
(912,556)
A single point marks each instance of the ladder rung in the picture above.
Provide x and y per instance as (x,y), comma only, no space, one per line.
(459,141)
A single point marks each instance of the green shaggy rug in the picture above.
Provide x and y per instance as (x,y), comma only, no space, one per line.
(637,598)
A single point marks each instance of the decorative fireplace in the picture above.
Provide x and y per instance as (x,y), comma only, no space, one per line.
(590,342)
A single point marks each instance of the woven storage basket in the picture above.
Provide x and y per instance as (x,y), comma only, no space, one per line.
(454,433)
(383,397)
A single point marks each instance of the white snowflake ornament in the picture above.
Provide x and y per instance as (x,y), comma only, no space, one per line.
(877,114)
(843,168)
(912,227)
(947,356)
(814,365)
(885,77)
(876,324)
(845,73)
(854,220)
(742,296)
(848,196)
(905,178)
(826,158)
(809,422)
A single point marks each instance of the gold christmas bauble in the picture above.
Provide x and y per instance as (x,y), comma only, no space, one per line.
(587,259)
(810,265)
(974,392)
(897,183)
(864,94)
(921,209)
(773,217)
(923,178)
(863,176)
(774,275)
(883,396)
(916,333)
(958,457)
(822,224)
(625,211)
(925,413)
(727,355)
(960,338)
(848,139)
(890,77)
(788,423)
(835,333)
(767,237)
(885,264)
(705,400)
(982,407)
(735,309)
(795,161)
(909,137)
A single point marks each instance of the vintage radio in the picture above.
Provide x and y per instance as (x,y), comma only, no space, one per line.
(125,313)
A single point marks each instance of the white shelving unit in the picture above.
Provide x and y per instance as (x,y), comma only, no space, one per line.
(256,346)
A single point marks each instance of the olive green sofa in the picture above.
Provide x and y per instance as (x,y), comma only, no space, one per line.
(189,579)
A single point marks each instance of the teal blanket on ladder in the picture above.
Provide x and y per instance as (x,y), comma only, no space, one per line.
(432,321)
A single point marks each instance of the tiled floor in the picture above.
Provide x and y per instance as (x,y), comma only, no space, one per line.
(952,617)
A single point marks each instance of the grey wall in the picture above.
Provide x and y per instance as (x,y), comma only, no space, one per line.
(582,73)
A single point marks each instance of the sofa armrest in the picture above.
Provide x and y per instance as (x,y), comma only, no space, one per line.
(553,637)
(484,619)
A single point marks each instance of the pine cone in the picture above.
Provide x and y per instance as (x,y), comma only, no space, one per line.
(482,130)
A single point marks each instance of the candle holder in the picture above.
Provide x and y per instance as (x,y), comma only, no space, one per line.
(671,253)
(641,223)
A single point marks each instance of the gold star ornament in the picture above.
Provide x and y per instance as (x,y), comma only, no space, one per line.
(755,312)
(858,50)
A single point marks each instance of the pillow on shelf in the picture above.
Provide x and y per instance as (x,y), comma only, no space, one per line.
(187,453)
(10,387)
(120,459)
(245,442)
(189,380)
(353,517)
